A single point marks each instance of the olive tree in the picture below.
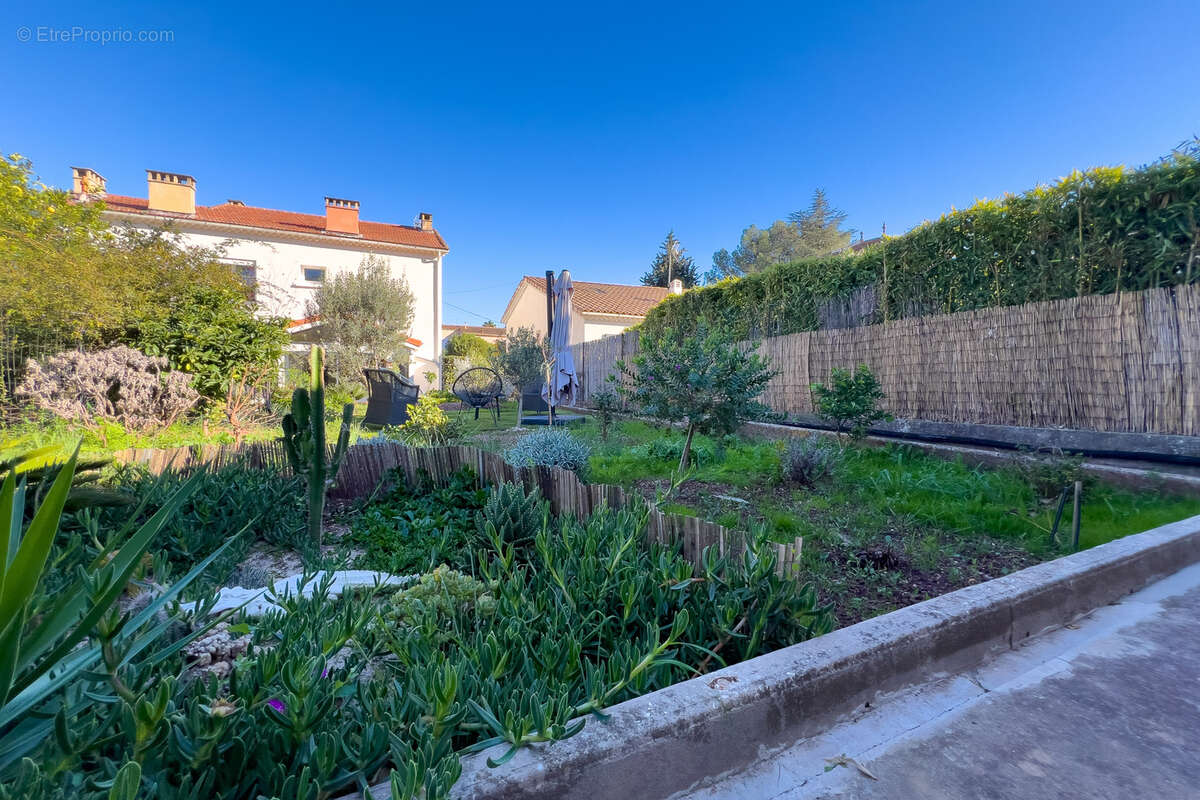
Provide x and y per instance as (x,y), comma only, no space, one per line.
(522,361)
(701,379)
(365,317)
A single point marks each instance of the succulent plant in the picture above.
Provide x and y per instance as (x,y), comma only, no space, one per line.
(304,441)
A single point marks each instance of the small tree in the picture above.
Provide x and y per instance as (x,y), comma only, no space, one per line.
(606,404)
(851,401)
(365,318)
(521,361)
(702,379)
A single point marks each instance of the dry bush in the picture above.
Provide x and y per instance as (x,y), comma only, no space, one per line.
(118,384)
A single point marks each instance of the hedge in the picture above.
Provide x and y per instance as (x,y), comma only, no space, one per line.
(1094,232)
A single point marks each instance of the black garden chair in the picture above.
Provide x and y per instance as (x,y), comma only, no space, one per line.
(480,387)
(389,396)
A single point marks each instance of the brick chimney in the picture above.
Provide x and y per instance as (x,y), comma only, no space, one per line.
(87,184)
(341,216)
(171,192)
(426,223)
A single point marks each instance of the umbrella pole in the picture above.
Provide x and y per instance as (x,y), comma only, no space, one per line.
(549,333)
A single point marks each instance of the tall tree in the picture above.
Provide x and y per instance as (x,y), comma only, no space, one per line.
(66,276)
(365,318)
(820,227)
(671,260)
(815,231)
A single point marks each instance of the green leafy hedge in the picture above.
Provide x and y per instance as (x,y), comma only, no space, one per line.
(1092,232)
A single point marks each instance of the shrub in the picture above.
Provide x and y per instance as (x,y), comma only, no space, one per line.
(851,401)
(1093,232)
(552,447)
(69,275)
(213,335)
(807,460)
(1049,472)
(119,384)
(427,425)
(702,380)
(670,448)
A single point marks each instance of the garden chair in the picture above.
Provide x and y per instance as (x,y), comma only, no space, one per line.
(480,387)
(389,396)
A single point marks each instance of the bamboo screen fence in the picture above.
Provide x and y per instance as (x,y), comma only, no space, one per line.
(1118,362)
(365,467)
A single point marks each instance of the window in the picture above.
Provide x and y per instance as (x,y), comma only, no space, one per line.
(247,269)
(313,274)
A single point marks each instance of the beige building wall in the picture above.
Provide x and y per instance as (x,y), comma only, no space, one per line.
(529,311)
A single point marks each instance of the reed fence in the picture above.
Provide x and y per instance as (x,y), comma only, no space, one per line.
(1118,362)
(366,467)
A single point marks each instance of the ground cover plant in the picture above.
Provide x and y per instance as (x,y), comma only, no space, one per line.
(228,507)
(540,625)
(883,527)
(413,529)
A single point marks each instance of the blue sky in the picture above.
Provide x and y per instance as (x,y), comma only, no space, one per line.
(576,135)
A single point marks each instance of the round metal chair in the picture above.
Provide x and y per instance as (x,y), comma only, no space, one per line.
(480,387)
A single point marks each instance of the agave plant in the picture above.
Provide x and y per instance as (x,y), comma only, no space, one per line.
(43,652)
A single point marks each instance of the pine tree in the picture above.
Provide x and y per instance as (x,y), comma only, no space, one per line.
(672,258)
(815,231)
(820,227)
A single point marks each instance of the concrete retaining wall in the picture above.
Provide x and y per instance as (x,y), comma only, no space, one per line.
(667,741)
(1171,448)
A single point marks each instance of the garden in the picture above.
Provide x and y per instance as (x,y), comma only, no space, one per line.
(248,630)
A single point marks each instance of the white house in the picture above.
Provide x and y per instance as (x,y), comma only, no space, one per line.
(286,255)
(600,309)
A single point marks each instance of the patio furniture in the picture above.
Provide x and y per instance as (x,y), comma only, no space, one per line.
(480,387)
(532,400)
(389,396)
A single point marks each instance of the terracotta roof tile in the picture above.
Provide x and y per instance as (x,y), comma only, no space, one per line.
(292,221)
(609,298)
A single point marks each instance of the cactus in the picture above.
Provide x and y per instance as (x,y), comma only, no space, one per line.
(304,441)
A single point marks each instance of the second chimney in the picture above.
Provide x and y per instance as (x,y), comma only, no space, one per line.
(341,216)
(87,184)
(170,191)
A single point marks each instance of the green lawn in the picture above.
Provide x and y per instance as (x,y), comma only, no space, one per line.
(890,526)
(874,490)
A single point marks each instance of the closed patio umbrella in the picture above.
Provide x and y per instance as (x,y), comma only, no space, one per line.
(561,389)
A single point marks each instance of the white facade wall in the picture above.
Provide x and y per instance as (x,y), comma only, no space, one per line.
(597,326)
(280,258)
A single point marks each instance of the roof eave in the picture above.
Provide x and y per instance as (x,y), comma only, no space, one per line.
(361,242)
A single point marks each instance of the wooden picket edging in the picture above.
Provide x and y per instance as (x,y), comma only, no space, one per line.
(1127,362)
(365,467)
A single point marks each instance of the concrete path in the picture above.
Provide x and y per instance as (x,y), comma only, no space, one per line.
(1108,707)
